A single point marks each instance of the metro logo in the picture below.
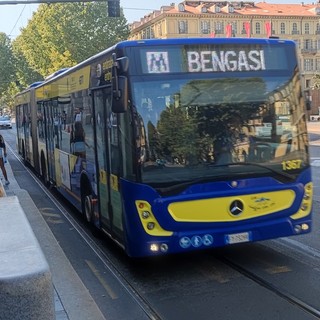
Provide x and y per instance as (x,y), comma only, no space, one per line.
(225,61)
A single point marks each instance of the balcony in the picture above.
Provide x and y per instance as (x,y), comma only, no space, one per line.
(309,51)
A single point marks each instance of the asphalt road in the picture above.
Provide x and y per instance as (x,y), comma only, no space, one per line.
(278,279)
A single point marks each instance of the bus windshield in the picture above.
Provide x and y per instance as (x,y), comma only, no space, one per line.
(199,127)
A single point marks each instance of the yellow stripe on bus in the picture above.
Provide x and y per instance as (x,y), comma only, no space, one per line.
(218,209)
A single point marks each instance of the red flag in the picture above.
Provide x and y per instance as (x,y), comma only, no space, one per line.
(228,30)
(247,27)
(212,35)
(268,28)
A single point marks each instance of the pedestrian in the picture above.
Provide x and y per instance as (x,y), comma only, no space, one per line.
(3,155)
(77,140)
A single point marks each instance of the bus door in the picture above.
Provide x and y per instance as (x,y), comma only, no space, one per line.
(27,132)
(108,162)
(48,112)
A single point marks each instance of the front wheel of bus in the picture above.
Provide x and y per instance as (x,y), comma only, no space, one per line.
(88,212)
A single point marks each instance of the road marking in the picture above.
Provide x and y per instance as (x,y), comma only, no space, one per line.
(278,269)
(101,280)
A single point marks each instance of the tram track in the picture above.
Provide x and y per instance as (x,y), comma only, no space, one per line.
(93,244)
(271,287)
(147,308)
(133,290)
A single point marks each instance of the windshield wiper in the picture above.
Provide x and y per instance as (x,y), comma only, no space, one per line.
(277,173)
(282,175)
(177,188)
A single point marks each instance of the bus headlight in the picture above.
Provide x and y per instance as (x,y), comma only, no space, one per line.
(145,214)
(150,225)
(301,227)
(163,247)
(154,247)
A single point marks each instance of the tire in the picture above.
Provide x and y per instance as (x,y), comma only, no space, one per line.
(88,213)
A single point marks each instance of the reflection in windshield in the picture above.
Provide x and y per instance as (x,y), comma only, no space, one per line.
(187,127)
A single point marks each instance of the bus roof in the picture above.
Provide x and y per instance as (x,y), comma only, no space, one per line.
(164,42)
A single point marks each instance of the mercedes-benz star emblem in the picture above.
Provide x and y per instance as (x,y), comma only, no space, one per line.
(236,207)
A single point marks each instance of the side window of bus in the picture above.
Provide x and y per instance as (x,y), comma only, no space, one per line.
(61,126)
(40,121)
(81,142)
(57,124)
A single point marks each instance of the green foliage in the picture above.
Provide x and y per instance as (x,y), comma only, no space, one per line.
(57,36)
(179,136)
(24,74)
(6,62)
(62,35)
(7,96)
(316,82)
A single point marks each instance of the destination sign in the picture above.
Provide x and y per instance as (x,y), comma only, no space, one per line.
(216,58)
(223,61)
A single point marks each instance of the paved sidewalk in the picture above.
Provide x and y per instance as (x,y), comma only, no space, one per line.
(13,189)
(72,299)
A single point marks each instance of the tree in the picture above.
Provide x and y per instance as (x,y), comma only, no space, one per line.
(62,35)
(316,82)
(7,69)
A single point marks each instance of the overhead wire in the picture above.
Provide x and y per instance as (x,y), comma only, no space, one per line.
(17,20)
(10,34)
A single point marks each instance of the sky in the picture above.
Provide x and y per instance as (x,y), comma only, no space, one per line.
(15,17)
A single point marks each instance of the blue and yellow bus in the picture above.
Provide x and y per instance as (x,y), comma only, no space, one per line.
(156,142)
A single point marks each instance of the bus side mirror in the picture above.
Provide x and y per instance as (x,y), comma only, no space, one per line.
(120,94)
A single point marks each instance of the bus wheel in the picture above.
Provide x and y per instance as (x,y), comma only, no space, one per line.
(88,212)
(88,208)
(44,177)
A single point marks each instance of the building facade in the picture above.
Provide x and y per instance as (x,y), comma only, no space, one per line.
(298,22)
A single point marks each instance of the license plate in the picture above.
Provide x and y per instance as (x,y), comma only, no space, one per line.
(237,237)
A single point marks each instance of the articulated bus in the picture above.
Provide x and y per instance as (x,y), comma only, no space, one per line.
(156,142)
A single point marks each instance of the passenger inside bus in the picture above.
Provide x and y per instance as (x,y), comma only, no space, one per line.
(78,145)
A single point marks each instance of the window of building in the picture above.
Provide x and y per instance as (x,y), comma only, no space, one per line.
(234,28)
(183,26)
(282,28)
(181,7)
(306,28)
(159,30)
(205,27)
(307,44)
(318,64)
(217,9)
(318,28)
(308,64)
(148,33)
(258,28)
(295,28)
(307,83)
(243,30)
(219,26)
